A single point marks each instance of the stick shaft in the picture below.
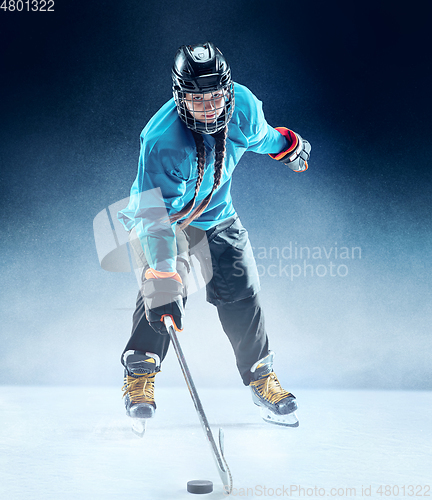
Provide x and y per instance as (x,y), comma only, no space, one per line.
(218,456)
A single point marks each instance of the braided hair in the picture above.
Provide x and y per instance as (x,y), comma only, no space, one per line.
(220,147)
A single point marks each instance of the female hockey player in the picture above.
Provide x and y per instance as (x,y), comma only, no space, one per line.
(181,202)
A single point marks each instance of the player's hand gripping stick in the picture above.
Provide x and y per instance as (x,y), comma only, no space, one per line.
(163,296)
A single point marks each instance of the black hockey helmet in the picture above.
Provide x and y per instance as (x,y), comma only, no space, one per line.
(202,69)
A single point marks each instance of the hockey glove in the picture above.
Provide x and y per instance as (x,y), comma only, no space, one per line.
(163,296)
(297,155)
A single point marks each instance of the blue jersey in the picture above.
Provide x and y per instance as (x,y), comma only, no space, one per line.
(167,173)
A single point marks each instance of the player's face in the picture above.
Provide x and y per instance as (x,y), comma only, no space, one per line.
(206,107)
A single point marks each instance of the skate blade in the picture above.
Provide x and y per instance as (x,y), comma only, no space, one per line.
(139,426)
(289,420)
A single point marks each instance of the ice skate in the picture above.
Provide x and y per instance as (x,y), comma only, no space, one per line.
(140,372)
(277,405)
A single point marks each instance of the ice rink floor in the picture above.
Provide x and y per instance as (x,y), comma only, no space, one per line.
(75,443)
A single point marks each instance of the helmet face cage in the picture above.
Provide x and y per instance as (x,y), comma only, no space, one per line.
(202,88)
(206,113)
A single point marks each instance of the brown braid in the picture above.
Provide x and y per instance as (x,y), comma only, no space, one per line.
(201,160)
(220,148)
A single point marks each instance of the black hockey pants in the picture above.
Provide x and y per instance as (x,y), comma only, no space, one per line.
(229,269)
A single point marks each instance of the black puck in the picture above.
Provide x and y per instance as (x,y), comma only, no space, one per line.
(200,486)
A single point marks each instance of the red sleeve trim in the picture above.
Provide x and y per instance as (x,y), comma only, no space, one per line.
(292,138)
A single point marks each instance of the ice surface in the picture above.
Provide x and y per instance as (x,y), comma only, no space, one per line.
(75,443)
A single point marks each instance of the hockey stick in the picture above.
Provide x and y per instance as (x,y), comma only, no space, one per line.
(218,453)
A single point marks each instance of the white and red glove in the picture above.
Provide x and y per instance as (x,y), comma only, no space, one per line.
(163,296)
(297,154)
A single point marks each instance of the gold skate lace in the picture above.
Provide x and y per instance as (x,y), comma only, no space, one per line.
(270,388)
(140,389)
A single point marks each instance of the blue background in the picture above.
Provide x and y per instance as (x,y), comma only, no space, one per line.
(77,87)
